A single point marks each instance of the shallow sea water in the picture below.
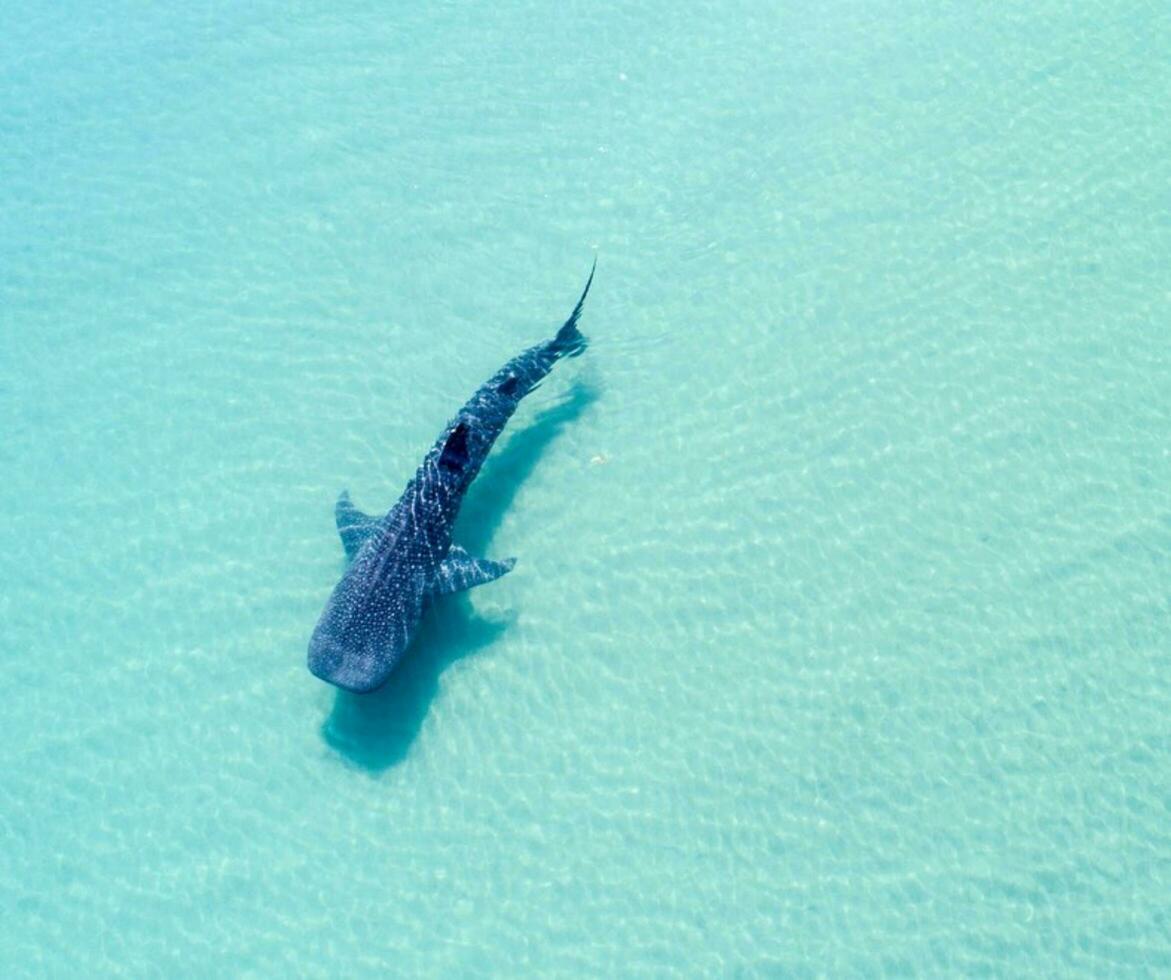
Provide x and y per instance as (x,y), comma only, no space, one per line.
(838,639)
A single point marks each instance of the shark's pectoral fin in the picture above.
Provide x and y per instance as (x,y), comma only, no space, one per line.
(353,526)
(459,571)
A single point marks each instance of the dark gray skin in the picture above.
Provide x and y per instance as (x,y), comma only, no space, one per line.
(403,560)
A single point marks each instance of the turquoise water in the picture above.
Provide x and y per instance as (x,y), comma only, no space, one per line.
(838,639)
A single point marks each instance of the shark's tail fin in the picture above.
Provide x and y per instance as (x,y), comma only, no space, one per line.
(570,341)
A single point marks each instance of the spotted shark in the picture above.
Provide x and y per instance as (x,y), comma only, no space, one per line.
(400,562)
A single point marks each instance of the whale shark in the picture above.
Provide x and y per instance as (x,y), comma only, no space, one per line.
(402,561)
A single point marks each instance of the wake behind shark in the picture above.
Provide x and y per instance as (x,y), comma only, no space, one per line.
(403,560)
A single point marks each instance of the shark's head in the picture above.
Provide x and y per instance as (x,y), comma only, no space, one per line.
(357,659)
(370,617)
(369,620)
(354,670)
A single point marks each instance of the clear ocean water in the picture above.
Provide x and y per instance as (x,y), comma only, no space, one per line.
(838,639)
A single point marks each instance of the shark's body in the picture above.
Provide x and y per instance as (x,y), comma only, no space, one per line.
(400,561)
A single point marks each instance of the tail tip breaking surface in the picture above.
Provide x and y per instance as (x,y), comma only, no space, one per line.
(570,341)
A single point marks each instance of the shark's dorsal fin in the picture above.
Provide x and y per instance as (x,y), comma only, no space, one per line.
(353,526)
(459,571)
(455,450)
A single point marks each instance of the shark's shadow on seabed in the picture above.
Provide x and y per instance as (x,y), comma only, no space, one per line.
(376,730)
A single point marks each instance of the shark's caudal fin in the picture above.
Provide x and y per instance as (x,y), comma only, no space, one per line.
(570,341)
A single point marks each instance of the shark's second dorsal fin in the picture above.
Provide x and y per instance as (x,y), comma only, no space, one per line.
(353,526)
